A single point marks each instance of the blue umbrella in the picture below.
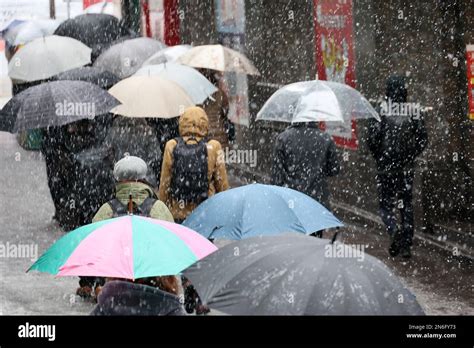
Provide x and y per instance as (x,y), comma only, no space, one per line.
(256,210)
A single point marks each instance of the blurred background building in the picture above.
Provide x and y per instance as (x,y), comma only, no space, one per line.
(359,42)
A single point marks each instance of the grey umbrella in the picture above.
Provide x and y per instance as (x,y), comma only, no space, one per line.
(55,104)
(298,275)
(102,78)
(125,58)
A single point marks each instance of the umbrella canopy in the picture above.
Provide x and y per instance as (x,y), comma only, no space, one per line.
(167,55)
(30,30)
(125,58)
(298,275)
(193,82)
(102,78)
(218,57)
(155,97)
(10,25)
(92,29)
(128,247)
(314,101)
(105,7)
(55,104)
(100,48)
(47,56)
(257,209)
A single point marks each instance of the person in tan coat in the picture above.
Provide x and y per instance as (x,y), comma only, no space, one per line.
(193,130)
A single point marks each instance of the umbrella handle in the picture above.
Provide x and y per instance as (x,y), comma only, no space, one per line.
(130,205)
(212,232)
(333,239)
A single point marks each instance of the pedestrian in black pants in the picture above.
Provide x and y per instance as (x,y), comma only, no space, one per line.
(395,142)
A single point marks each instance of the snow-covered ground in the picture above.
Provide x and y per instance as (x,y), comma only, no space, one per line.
(441,286)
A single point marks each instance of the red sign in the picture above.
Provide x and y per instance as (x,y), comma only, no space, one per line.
(470,79)
(335,57)
(87,3)
(172,36)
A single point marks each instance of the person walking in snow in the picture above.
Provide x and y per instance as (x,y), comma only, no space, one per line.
(395,142)
(304,156)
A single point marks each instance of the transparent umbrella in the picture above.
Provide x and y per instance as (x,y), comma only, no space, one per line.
(314,101)
(166,55)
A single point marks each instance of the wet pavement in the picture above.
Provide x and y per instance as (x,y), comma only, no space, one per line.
(442,282)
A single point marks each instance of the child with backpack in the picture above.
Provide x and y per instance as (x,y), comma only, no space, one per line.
(193,168)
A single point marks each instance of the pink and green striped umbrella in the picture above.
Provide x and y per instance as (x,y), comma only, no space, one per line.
(127,247)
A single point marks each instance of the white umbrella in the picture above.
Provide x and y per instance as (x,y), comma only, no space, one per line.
(125,58)
(30,30)
(143,96)
(314,101)
(168,54)
(47,56)
(218,57)
(193,82)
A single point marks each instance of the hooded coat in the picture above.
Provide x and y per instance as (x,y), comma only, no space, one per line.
(304,156)
(124,298)
(193,124)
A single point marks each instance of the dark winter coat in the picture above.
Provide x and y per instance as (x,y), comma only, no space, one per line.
(303,157)
(79,169)
(396,141)
(58,166)
(138,138)
(125,298)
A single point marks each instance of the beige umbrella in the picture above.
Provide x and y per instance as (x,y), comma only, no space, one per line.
(218,57)
(143,96)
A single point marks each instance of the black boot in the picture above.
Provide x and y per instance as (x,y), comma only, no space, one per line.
(395,244)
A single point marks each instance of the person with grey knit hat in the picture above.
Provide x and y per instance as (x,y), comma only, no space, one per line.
(130,168)
(133,195)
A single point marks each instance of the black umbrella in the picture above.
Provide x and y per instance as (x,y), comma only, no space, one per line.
(93,29)
(102,78)
(55,104)
(298,275)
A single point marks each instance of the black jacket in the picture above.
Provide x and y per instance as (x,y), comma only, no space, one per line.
(125,298)
(79,170)
(395,143)
(397,140)
(304,156)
